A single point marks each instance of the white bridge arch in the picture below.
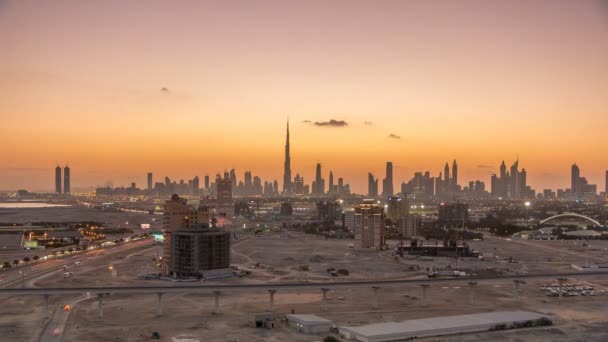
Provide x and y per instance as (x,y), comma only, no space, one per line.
(586,218)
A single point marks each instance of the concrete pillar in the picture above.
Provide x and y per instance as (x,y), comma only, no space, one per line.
(324,300)
(47,314)
(216,309)
(375,304)
(159,305)
(271,292)
(100,306)
(516,284)
(472,285)
(425,288)
(561,282)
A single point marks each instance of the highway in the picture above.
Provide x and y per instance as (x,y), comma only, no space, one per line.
(182,288)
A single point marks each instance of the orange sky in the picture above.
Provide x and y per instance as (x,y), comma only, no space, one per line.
(479,81)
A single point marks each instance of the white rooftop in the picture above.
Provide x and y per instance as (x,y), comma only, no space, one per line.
(307,319)
(436,326)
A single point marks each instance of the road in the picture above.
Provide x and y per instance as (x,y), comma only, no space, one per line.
(188,288)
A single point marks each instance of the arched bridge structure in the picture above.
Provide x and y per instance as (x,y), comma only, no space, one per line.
(586,218)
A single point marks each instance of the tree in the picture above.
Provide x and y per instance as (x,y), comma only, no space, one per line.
(16,262)
(6,264)
(26,259)
(36,258)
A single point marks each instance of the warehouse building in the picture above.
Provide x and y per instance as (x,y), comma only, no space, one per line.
(309,324)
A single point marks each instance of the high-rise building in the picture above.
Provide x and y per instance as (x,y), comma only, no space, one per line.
(370,225)
(454,181)
(318,187)
(575,175)
(387,183)
(298,184)
(330,190)
(511,184)
(66,180)
(196,186)
(421,186)
(408,225)
(206,182)
(580,187)
(287,167)
(606,182)
(372,186)
(58,179)
(223,189)
(149,180)
(233,179)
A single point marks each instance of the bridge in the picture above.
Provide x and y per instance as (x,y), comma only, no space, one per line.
(586,218)
(272,288)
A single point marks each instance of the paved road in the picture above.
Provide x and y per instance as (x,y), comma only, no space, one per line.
(188,287)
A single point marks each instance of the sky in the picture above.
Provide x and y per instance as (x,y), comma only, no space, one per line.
(185,88)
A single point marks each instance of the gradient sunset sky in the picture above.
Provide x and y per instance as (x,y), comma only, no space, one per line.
(185,88)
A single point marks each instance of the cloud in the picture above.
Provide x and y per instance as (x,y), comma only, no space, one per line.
(369,123)
(394,136)
(485,166)
(164,90)
(306,121)
(331,123)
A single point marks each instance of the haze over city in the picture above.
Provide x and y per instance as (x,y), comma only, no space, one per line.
(118,89)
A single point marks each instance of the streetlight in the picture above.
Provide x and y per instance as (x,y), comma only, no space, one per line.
(527,205)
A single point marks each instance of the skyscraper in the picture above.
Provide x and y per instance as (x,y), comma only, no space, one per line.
(575,175)
(387,183)
(224,189)
(206,182)
(149,180)
(233,179)
(58,179)
(287,167)
(606,182)
(196,186)
(330,190)
(318,188)
(372,186)
(370,225)
(66,180)
(454,182)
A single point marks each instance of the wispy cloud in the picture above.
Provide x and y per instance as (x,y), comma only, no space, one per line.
(331,123)
(306,121)
(369,123)
(164,90)
(394,136)
(485,166)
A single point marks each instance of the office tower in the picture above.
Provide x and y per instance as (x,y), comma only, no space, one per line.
(421,186)
(196,186)
(503,170)
(606,182)
(287,167)
(387,183)
(511,184)
(494,186)
(370,226)
(454,181)
(574,180)
(372,186)
(233,179)
(318,188)
(149,180)
(522,183)
(275,186)
(257,186)
(223,189)
(66,180)
(206,182)
(330,190)
(340,186)
(298,185)
(328,210)
(58,179)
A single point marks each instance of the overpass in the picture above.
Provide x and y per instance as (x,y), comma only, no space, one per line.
(272,288)
(586,218)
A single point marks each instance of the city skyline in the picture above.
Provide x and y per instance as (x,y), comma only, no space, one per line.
(523,79)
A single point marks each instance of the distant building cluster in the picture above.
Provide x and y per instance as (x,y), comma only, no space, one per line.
(66,180)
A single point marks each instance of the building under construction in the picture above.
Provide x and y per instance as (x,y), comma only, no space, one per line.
(193,243)
(200,249)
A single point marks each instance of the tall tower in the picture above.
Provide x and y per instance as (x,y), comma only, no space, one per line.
(287,168)
(66,180)
(576,174)
(454,175)
(58,179)
(387,184)
(319,188)
(149,180)
(331,183)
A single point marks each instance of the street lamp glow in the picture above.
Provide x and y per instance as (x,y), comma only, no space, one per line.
(527,204)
